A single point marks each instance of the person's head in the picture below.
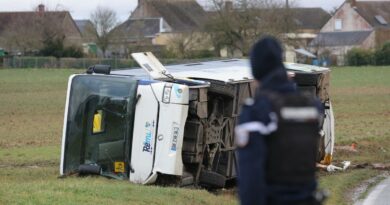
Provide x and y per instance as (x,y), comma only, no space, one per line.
(265,57)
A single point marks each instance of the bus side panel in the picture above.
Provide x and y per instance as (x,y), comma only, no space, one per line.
(145,123)
(170,139)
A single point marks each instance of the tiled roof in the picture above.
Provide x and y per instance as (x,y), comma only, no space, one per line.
(310,18)
(369,9)
(138,28)
(180,15)
(8,18)
(83,24)
(303,18)
(340,38)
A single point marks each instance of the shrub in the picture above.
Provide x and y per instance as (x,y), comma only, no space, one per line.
(201,54)
(56,48)
(359,57)
(73,52)
(382,55)
(53,47)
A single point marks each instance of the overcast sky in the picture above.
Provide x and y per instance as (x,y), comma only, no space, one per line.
(81,9)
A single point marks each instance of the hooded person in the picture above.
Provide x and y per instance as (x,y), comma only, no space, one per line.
(258,122)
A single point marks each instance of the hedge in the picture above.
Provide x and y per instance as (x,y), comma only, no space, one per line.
(360,57)
(382,55)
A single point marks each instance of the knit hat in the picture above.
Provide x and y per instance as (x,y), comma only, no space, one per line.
(266,56)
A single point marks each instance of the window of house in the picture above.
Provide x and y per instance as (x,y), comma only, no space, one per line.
(338,24)
(381,20)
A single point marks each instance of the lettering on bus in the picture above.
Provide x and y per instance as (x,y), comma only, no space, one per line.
(148,138)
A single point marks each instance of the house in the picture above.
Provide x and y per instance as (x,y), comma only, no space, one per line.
(25,32)
(181,24)
(177,15)
(88,37)
(295,26)
(356,24)
(306,24)
(87,30)
(136,34)
(161,23)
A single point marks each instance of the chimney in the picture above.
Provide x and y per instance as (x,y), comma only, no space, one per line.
(41,8)
(228,5)
(352,3)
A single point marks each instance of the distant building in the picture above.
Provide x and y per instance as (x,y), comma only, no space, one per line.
(301,26)
(88,36)
(158,23)
(356,24)
(306,24)
(167,22)
(177,15)
(24,32)
(136,34)
(87,30)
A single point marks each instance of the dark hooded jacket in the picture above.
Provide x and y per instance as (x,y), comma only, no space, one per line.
(256,122)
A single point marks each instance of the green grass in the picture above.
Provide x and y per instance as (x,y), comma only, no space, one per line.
(339,185)
(41,186)
(16,156)
(361,102)
(32,106)
(31,117)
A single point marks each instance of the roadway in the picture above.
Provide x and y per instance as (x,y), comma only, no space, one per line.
(380,195)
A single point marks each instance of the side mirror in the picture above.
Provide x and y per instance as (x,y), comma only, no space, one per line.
(101,69)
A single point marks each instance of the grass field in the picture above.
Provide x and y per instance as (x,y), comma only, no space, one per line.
(31,117)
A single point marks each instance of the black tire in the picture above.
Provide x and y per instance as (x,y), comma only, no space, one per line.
(89,169)
(212,179)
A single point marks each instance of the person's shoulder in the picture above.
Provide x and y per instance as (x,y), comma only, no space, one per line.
(255,109)
(247,108)
(263,99)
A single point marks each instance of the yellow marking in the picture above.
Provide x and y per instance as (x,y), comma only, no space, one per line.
(327,159)
(97,122)
(119,167)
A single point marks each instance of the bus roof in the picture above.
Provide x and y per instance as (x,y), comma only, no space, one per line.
(228,71)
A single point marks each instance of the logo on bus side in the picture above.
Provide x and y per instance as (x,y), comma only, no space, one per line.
(175,135)
(148,138)
(178,91)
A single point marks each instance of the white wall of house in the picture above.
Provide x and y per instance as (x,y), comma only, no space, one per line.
(289,54)
(346,19)
(370,41)
(339,52)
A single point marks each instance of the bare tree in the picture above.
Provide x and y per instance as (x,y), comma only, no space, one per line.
(183,44)
(103,20)
(239,27)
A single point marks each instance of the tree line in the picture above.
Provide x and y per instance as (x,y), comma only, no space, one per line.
(233,29)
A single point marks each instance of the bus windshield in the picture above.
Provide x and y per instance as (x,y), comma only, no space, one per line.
(100,124)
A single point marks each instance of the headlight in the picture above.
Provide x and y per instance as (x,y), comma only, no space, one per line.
(167,93)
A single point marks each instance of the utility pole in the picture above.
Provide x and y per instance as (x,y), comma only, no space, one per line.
(286,17)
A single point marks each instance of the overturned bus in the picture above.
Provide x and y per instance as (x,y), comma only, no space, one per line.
(170,124)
